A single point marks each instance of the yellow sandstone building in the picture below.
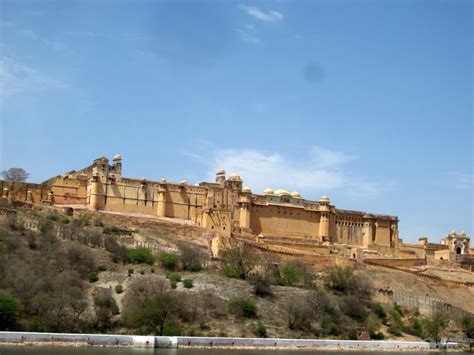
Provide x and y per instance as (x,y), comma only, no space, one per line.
(278,218)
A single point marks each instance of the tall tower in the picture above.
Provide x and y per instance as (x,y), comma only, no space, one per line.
(324,221)
(220,176)
(97,181)
(368,230)
(161,209)
(244,215)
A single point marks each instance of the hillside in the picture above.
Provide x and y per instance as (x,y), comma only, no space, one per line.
(61,272)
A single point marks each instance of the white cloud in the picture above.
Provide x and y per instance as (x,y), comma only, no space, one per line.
(16,78)
(320,172)
(269,16)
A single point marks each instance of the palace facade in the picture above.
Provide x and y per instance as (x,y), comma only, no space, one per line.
(275,217)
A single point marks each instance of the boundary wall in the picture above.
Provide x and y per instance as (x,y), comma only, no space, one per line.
(68,339)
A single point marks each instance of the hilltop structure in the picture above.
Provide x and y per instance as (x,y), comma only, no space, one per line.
(277,218)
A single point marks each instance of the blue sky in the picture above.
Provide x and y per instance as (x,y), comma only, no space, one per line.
(368,102)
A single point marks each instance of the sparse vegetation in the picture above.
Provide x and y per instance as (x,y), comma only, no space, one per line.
(169,261)
(141,256)
(93,277)
(188,283)
(244,307)
(46,277)
(118,289)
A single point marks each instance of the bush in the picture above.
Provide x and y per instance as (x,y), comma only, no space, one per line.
(114,230)
(102,267)
(10,307)
(173,276)
(130,271)
(244,307)
(188,283)
(262,287)
(168,260)
(93,277)
(291,275)
(259,329)
(53,217)
(65,220)
(230,271)
(377,335)
(192,257)
(173,284)
(141,256)
(142,272)
(119,288)
(343,280)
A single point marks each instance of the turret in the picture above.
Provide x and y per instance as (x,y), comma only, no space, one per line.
(220,176)
(324,220)
(97,180)
(161,208)
(244,203)
(368,230)
(117,166)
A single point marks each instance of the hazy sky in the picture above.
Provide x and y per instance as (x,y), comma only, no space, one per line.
(368,102)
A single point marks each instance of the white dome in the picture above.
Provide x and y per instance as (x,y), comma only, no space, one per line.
(184,182)
(234,177)
(117,157)
(220,172)
(295,194)
(246,189)
(268,191)
(324,199)
(281,192)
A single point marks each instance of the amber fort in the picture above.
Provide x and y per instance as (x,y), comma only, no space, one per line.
(274,218)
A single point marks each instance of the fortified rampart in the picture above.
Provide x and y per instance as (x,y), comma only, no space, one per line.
(424,305)
(279,219)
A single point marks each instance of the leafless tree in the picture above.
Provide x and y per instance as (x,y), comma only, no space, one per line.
(15,175)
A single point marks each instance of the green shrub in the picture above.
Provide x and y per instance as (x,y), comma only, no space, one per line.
(291,275)
(168,260)
(173,284)
(130,271)
(244,307)
(102,267)
(173,276)
(230,271)
(414,327)
(65,220)
(119,288)
(141,256)
(259,329)
(152,270)
(10,307)
(188,283)
(93,277)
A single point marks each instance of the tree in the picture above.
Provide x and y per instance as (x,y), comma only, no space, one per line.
(240,256)
(468,326)
(9,309)
(192,257)
(291,275)
(169,260)
(434,326)
(105,307)
(151,314)
(15,175)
